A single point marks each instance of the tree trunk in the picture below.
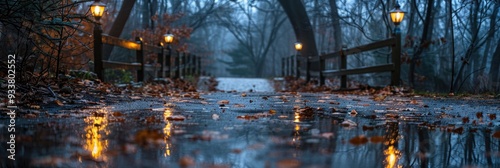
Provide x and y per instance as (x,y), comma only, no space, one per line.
(426,35)
(491,33)
(118,25)
(337,31)
(495,67)
(297,15)
(471,49)
(146,17)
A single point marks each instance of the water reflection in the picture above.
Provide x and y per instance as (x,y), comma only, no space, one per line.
(95,133)
(392,154)
(167,131)
(296,134)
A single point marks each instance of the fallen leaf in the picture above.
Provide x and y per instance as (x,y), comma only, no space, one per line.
(152,119)
(379,97)
(334,102)
(368,128)
(236,151)
(479,114)
(176,118)
(413,101)
(496,135)
(223,102)
(186,161)
(465,120)
(35,107)
(288,163)
(492,116)
(30,116)
(353,112)
(59,102)
(359,140)
(377,139)
(117,114)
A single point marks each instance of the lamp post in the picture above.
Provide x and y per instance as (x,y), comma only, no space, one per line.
(97,10)
(169,38)
(298,47)
(397,16)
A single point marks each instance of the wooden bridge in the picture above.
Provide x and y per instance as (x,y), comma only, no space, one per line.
(302,66)
(168,64)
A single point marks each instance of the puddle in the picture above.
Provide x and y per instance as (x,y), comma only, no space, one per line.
(156,135)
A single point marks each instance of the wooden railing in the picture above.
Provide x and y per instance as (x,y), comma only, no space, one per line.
(169,64)
(321,72)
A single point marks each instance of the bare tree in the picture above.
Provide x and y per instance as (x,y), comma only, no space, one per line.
(254,36)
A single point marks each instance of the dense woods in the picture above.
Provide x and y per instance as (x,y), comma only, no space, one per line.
(449,45)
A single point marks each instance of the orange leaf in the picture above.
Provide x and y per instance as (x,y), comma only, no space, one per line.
(496,135)
(377,139)
(359,140)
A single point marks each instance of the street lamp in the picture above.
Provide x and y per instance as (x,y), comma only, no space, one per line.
(298,48)
(97,9)
(169,38)
(397,16)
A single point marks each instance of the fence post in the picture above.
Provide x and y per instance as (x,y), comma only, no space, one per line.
(308,69)
(161,61)
(191,66)
(177,65)
(292,64)
(297,63)
(283,67)
(287,68)
(139,56)
(183,65)
(169,61)
(98,65)
(198,66)
(396,60)
(321,68)
(343,66)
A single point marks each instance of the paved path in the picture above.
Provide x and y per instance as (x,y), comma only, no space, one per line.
(260,129)
(245,84)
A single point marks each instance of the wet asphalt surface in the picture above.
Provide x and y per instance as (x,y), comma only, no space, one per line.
(235,129)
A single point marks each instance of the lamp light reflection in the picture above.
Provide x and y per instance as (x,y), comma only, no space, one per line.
(167,131)
(94,131)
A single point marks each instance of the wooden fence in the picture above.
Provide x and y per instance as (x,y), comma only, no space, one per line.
(321,72)
(168,64)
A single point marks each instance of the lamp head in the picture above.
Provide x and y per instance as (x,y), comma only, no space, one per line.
(169,38)
(397,15)
(298,46)
(97,9)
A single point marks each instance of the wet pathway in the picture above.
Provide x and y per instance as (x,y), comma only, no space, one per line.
(245,84)
(263,129)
